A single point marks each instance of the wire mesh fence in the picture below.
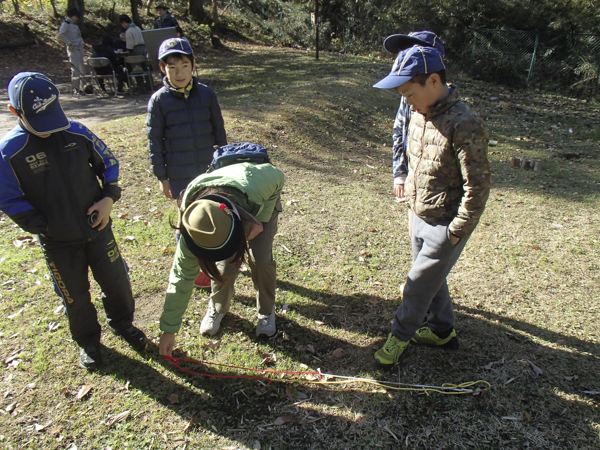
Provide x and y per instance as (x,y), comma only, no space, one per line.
(556,62)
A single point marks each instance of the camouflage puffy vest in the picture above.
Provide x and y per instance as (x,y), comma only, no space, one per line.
(448,169)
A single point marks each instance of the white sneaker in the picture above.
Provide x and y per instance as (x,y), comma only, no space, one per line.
(266,325)
(212,321)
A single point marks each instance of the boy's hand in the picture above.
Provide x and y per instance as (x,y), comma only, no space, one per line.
(103,208)
(165,188)
(255,230)
(454,239)
(399,192)
(166,344)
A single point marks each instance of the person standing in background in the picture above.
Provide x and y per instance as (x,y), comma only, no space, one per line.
(164,19)
(70,34)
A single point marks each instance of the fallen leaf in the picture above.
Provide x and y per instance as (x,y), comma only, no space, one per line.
(432,408)
(167,251)
(144,419)
(592,392)
(339,353)
(561,342)
(213,344)
(173,398)
(365,253)
(118,418)
(204,415)
(56,430)
(204,396)
(527,416)
(83,391)
(268,358)
(310,349)
(129,238)
(124,216)
(189,424)
(427,432)
(289,394)
(535,368)
(256,445)
(12,316)
(509,418)
(572,378)
(10,407)
(489,365)
(283,419)
(39,427)
(302,396)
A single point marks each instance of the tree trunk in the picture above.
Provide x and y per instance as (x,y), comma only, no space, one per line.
(53,3)
(197,11)
(215,14)
(135,16)
(16,6)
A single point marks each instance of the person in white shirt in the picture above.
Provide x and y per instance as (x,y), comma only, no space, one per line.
(70,34)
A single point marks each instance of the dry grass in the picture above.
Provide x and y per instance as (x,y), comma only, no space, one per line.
(525,287)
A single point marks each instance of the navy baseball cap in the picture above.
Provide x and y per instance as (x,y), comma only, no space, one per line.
(174,45)
(413,61)
(35,98)
(398,42)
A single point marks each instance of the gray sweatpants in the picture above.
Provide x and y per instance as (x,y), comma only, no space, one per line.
(262,267)
(77,73)
(426,286)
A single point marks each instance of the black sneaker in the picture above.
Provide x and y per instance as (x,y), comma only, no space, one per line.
(90,357)
(134,337)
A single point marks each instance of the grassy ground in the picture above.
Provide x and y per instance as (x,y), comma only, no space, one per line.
(525,287)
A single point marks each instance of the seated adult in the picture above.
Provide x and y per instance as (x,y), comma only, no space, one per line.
(105,49)
(135,44)
(120,44)
(164,19)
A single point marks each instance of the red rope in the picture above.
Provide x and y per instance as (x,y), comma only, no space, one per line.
(176,360)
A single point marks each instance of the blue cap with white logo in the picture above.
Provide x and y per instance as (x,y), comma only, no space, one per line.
(35,98)
(174,45)
(413,61)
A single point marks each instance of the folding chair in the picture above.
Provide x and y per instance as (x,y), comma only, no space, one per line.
(76,74)
(138,66)
(103,66)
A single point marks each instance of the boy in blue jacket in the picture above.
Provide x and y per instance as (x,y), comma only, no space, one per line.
(184,124)
(49,171)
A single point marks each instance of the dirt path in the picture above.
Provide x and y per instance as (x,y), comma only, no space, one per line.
(87,109)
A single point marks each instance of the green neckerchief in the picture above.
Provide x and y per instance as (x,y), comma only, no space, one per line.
(184,90)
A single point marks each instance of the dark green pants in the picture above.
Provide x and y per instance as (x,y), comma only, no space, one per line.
(262,266)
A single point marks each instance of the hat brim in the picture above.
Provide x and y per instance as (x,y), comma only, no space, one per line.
(397,42)
(393,81)
(48,124)
(231,247)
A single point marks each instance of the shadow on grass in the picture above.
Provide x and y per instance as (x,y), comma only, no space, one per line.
(541,381)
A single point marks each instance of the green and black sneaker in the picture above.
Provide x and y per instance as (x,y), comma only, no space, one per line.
(389,354)
(426,336)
